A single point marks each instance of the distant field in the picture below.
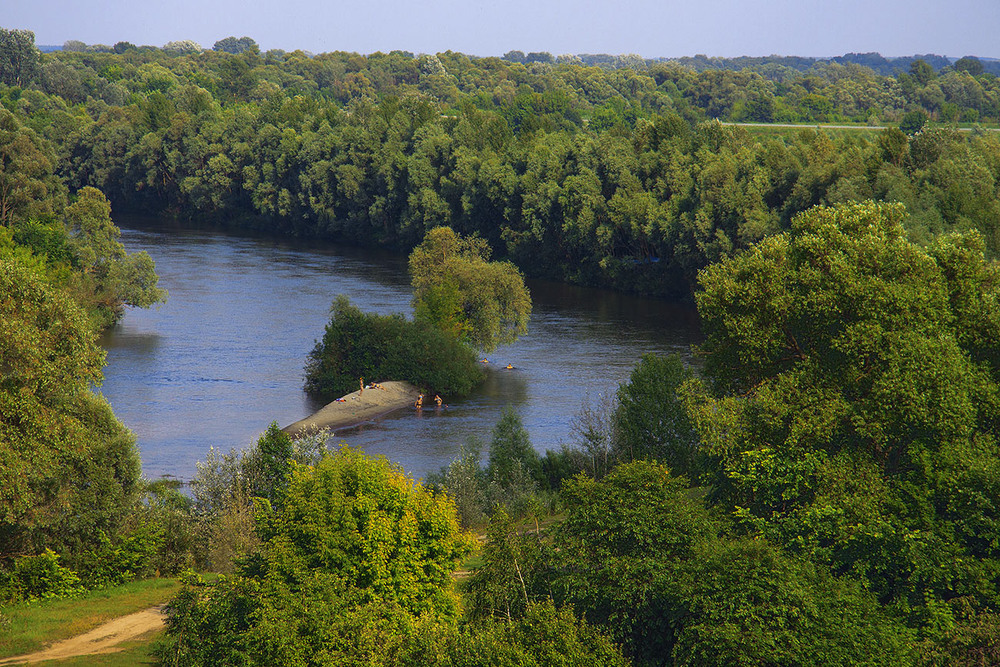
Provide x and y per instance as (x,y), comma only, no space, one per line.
(783,129)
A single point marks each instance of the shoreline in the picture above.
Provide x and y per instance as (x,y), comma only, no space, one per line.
(356,408)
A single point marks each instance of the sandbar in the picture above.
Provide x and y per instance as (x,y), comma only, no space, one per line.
(357,407)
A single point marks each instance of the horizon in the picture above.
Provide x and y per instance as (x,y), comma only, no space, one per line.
(952,57)
(649,28)
(46,48)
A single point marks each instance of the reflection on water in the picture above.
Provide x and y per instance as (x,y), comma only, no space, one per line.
(224,357)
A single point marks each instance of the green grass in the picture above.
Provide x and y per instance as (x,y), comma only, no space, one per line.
(137,652)
(31,626)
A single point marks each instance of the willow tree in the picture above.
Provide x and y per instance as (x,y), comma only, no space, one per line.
(119,279)
(460,290)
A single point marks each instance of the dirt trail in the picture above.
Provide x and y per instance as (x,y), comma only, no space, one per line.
(102,639)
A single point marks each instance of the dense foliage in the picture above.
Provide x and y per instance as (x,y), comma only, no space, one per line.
(640,555)
(72,510)
(387,347)
(603,174)
(850,406)
(459,290)
(825,492)
(355,568)
(70,469)
(649,420)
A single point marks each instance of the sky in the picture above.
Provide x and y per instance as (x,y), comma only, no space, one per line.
(650,28)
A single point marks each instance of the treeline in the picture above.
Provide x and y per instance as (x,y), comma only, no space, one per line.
(586,174)
(854,87)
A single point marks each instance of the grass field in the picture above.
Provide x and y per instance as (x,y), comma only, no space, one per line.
(30,626)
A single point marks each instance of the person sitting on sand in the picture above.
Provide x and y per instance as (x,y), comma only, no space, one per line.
(420,401)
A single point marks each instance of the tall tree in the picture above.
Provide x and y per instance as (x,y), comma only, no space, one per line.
(69,469)
(18,57)
(120,279)
(650,421)
(26,178)
(851,402)
(236,46)
(457,288)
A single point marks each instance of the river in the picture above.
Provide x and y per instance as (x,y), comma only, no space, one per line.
(224,356)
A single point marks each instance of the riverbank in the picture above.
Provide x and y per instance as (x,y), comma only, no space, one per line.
(357,407)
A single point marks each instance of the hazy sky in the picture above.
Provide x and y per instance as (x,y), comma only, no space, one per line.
(479,27)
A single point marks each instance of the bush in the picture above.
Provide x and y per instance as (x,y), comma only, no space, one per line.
(40,576)
(510,481)
(128,557)
(387,347)
(355,550)
(258,471)
(229,487)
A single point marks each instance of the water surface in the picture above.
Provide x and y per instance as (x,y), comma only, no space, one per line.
(224,356)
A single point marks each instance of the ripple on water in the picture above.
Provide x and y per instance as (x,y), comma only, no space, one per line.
(224,357)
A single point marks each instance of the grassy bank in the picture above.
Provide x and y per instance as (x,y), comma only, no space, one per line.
(30,626)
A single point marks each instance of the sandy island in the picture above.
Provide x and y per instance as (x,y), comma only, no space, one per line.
(357,407)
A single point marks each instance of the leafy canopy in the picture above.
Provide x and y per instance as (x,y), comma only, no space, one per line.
(639,555)
(387,347)
(68,468)
(458,289)
(355,549)
(852,401)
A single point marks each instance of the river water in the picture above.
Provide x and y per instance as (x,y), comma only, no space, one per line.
(224,356)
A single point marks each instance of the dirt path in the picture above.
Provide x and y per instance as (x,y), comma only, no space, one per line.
(102,639)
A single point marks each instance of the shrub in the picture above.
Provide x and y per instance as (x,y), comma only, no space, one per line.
(38,576)
(128,557)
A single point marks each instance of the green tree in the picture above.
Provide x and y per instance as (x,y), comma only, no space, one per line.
(120,279)
(922,71)
(356,550)
(235,46)
(970,64)
(641,558)
(18,57)
(510,450)
(850,403)
(26,172)
(387,347)
(458,289)
(650,421)
(70,469)
(511,560)
(913,122)
(514,468)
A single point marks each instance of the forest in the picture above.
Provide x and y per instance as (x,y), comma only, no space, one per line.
(611,176)
(822,491)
